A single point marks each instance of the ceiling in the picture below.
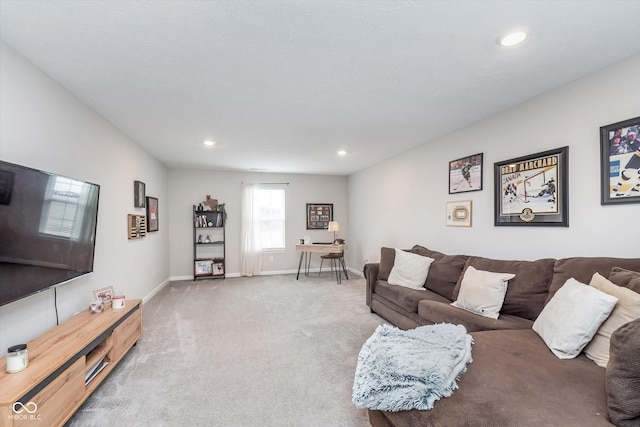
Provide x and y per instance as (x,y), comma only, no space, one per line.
(282,85)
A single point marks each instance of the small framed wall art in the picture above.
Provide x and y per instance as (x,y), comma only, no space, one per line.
(138,194)
(152,214)
(459,213)
(136,226)
(620,162)
(465,174)
(319,215)
(533,190)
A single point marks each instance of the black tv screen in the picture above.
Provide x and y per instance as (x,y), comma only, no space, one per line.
(47,230)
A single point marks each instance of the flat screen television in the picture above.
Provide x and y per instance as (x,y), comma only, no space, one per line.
(47,230)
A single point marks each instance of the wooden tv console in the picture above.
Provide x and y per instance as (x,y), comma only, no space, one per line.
(53,386)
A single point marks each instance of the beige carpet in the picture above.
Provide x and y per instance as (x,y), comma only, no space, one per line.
(261,351)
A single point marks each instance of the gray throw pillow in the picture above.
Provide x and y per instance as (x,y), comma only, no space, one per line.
(627,278)
(623,376)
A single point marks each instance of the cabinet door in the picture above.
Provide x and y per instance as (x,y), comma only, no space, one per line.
(126,334)
(57,401)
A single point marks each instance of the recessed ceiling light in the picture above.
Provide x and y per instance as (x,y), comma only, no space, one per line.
(209,143)
(512,38)
(342,153)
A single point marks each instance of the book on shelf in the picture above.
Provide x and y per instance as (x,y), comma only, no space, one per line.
(95,370)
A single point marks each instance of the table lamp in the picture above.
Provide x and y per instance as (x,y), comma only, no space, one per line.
(334,226)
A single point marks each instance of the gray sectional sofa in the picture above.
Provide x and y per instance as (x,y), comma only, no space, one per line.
(514,379)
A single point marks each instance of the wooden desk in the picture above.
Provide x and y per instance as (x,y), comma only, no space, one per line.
(307,249)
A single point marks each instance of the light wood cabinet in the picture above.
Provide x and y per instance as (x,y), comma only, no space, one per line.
(58,379)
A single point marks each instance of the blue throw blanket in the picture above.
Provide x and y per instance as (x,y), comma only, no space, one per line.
(399,370)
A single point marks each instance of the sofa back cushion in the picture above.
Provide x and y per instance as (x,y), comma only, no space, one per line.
(582,269)
(444,272)
(387,258)
(527,291)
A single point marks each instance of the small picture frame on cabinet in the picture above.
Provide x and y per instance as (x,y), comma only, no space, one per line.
(103,294)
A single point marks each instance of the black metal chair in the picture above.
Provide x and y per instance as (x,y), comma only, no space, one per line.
(337,262)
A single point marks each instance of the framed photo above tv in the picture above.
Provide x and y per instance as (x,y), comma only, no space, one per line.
(533,190)
(465,174)
(620,162)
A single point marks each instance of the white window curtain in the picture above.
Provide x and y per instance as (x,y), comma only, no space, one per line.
(250,248)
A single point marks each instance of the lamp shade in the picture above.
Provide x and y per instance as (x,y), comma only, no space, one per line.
(334,226)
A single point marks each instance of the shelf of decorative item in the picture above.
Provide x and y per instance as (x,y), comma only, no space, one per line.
(209,243)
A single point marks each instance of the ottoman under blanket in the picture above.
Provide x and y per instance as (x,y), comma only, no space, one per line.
(514,377)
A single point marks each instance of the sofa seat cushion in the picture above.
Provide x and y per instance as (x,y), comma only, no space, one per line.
(527,291)
(439,312)
(515,380)
(406,298)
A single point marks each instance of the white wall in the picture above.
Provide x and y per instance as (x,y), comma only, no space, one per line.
(189,187)
(46,127)
(401,202)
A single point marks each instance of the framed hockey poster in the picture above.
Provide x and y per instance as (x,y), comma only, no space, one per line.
(465,174)
(620,162)
(533,190)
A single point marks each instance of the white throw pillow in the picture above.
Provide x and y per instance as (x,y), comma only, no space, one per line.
(572,317)
(626,310)
(409,270)
(482,292)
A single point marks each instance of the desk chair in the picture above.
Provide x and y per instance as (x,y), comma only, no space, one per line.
(337,262)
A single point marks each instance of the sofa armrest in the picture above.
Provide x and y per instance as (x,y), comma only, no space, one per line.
(623,376)
(371,274)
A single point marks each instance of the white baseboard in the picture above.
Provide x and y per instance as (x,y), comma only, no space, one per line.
(269,273)
(155,291)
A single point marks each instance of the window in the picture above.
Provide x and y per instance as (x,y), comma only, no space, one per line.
(63,212)
(270,207)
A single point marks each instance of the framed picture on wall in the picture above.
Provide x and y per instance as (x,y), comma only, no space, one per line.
(152,214)
(319,215)
(465,174)
(138,194)
(620,162)
(533,190)
(459,213)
